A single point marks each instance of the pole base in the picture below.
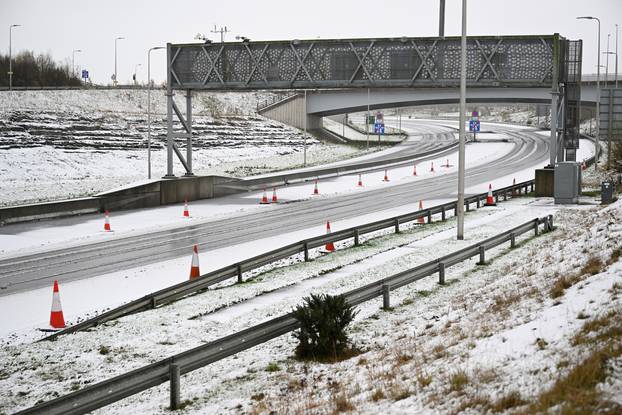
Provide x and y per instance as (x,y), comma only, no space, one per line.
(169,176)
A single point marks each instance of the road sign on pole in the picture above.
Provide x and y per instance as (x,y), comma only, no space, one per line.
(474,126)
(85,74)
(379,128)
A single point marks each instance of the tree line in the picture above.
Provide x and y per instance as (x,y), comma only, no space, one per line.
(36,71)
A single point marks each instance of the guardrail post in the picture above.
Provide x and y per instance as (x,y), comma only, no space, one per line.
(535,227)
(152,302)
(429,216)
(443,213)
(478,202)
(455,209)
(482,255)
(356,237)
(505,195)
(174,376)
(397,225)
(385,297)
(441,273)
(239,268)
(306,250)
(468,205)
(497,198)
(551,227)
(512,240)
(532,185)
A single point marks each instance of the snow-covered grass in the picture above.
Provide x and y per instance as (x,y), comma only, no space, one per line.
(62,144)
(421,323)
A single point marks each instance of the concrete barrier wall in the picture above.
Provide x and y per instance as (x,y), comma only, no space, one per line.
(152,194)
(290,111)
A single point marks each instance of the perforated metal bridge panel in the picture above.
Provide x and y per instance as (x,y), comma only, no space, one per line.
(411,62)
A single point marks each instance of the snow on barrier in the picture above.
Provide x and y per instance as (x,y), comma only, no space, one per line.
(183,289)
(170,369)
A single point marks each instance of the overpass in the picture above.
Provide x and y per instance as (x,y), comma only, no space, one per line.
(531,68)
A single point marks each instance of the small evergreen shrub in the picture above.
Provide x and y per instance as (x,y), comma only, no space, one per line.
(323,322)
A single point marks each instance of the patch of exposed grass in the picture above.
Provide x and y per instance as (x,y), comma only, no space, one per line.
(342,403)
(506,402)
(104,350)
(458,380)
(272,367)
(424,379)
(377,395)
(593,266)
(503,301)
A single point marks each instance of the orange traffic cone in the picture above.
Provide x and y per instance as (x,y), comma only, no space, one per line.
(421,220)
(274,198)
(186,211)
(415,170)
(360,183)
(107,222)
(386,176)
(432,167)
(315,189)
(264,199)
(194,265)
(490,201)
(329,245)
(56,316)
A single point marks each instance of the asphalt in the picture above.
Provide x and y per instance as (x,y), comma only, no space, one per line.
(28,272)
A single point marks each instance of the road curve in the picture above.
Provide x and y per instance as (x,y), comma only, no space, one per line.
(33,271)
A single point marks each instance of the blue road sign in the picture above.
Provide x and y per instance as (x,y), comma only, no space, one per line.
(379,128)
(85,74)
(474,126)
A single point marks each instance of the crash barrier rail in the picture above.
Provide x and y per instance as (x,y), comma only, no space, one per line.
(189,287)
(170,369)
(254,183)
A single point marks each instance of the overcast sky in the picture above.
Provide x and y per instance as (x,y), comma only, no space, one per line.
(61,26)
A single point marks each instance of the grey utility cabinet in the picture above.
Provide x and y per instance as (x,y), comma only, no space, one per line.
(567,182)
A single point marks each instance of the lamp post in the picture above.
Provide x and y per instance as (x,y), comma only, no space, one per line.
(136,70)
(116,79)
(11,55)
(149,109)
(597,90)
(462,132)
(73,60)
(607,61)
(616,75)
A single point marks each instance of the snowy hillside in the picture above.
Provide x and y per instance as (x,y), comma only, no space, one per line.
(60,144)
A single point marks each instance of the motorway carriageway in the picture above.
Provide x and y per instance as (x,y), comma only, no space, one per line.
(28,272)
(253,232)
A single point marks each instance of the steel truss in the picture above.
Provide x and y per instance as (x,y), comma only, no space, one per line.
(508,61)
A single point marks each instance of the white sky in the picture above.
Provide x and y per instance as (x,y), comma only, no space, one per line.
(60,26)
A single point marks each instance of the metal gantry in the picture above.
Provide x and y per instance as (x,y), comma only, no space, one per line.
(404,62)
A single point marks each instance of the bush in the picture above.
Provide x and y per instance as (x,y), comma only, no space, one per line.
(323,320)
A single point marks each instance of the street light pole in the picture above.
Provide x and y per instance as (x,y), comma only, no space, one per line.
(607,61)
(616,75)
(73,60)
(11,54)
(304,136)
(149,109)
(136,70)
(116,80)
(597,92)
(462,120)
